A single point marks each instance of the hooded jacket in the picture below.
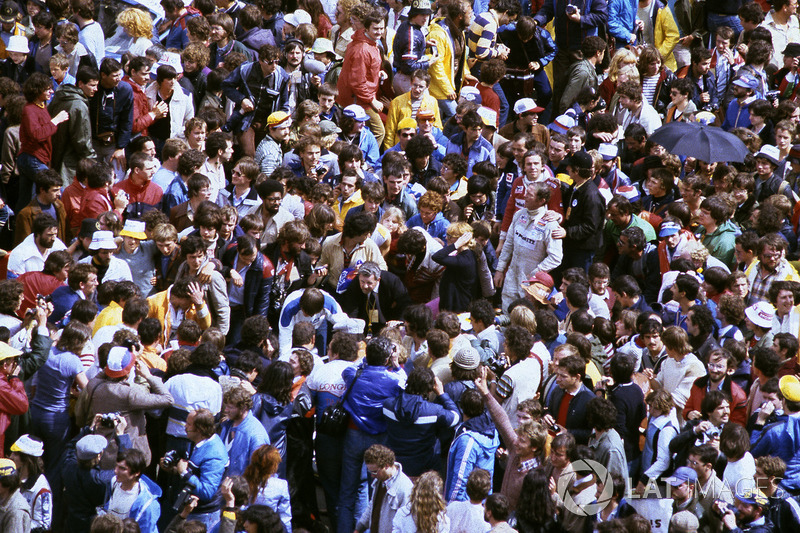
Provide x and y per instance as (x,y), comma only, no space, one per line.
(444,79)
(722,243)
(412,423)
(73,139)
(358,82)
(146,509)
(141,108)
(13,401)
(473,447)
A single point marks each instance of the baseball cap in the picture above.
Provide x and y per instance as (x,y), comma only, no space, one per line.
(747,81)
(279,118)
(489,116)
(7,467)
(29,446)
(681,476)
(794,154)
(406,124)
(470,94)
(120,362)
(527,105)
(608,151)
(668,228)
(581,160)
(770,153)
(298,17)
(327,127)
(561,124)
(539,286)
(356,112)
(752,496)
(424,112)
(88,227)
(792,50)
(790,388)
(89,446)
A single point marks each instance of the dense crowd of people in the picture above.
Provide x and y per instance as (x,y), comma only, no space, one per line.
(399,267)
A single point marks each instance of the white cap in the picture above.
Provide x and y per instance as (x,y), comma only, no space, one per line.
(761,314)
(297,18)
(103,240)
(471,94)
(608,150)
(489,116)
(525,105)
(18,43)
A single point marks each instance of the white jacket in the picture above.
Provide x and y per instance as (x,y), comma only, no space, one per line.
(181,107)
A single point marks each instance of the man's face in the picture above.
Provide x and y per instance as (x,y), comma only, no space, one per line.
(624,246)
(166,248)
(722,44)
(627,103)
(129,244)
(124,473)
(227,154)
(208,234)
(217,33)
(272,203)
(682,491)
(326,102)
(764,167)
(52,194)
(376,30)
(599,285)
(565,380)
(375,471)
(103,257)
(89,285)
(109,81)
(18,57)
(148,170)
(770,258)
(533,167)
(280,133)
(746,513)
(721,414)
(784,302)
(348,186)
(653,342)
(394,185)
(693,462)
(371,206)
(234,412)
(368,283)
(717,368)
(618,219)
(427,215)
(403,136)
(531,200)
(42,33)
(575,144)
(195,260)
(424,125)
(691,328)
(204,194)
(472,134)
(310,156)
(268,66)
(246,259)
(418,87)
(783,139)
(703,67)
(197,136)
(48,238)
(518,149)
(142,76)
(556,152)
(191,430)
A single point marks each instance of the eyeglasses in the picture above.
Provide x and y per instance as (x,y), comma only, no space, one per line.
(272,62)
(717,366)
(407,135)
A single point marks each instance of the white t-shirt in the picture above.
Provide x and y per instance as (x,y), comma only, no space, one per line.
(122,500)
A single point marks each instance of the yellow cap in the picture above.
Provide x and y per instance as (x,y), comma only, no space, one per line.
(790,388)
(407,123)
(7,352)
(277,118)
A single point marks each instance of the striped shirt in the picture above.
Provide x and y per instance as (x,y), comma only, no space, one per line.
(482,37)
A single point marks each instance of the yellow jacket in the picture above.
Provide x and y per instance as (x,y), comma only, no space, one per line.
(341,209)
(442,73)
(19,29)
(666,35)
(401,108)
(159,308)
(110,316)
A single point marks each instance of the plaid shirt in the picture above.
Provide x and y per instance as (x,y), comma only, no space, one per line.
(759,285)
(527,466)
(482,37)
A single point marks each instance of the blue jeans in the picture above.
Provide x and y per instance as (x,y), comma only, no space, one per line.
(29,166)
(353,487)
(715,20)
(503,103)
(447,109)
(53,429)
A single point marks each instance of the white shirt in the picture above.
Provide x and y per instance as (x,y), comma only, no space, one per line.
(190,392)
(118,270)
(217,177)
(27,258)
(467,517)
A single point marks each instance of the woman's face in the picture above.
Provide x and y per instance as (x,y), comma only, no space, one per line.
(653,67)
(341,16)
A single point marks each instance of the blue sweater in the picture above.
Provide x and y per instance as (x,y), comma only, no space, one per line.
(437,228)
(247,437)
(206,467)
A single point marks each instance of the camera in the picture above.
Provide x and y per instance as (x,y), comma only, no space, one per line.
(571,9)
(711,433)
(108,420)
(183,496)
(772,95)
(47,299)
(172,457)
(131,345)
(497,363)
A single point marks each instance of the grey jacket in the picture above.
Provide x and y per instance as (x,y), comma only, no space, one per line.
(15,515)
(217,296)
(73,139)
(581,74)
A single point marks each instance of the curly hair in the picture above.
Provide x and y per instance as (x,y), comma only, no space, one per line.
(318,218)
(10,291)
(136,23)
(427,503)
(535,507)
(263,465)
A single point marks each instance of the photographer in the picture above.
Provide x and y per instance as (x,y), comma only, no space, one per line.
(112,391)
(715,412)
(202,473)
(83,480)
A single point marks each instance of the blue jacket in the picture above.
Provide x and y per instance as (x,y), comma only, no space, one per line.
(113,114)
(737,116)
(247,438)
(481,150)
(781,439)
(207,465)
(437,228)
(473,447)
(409,49)
(365,402)
(63,299)
(274,418)
(412,425)
(622,20)
(570,35)
(369,145)
(146,509)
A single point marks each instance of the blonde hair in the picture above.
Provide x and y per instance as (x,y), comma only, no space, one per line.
(523,316)
(395,215)
(622,58)
(457,229)
(427,503)
(136,23)
(629,70)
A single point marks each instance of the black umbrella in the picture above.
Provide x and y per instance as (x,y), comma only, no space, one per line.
(706,143)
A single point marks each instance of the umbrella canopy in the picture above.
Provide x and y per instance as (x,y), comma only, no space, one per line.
(706,143)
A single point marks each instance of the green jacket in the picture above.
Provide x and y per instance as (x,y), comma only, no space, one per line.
(722,243)
(73,139)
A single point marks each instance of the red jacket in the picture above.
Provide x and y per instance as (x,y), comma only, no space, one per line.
(150,194)
(36,133)
(517,200)
(95,202)
(738,399)
(141,108)
(35,283)
(13,401)
(72,198)
(359,79)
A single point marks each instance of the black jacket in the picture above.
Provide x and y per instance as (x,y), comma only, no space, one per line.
(391,301)
(257,281)
(584,215)
(576,414)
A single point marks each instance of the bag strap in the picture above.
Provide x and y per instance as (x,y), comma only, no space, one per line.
(347,391)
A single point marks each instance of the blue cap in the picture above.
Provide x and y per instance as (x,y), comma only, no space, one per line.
(747,81)
(668,228)
(681,476)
